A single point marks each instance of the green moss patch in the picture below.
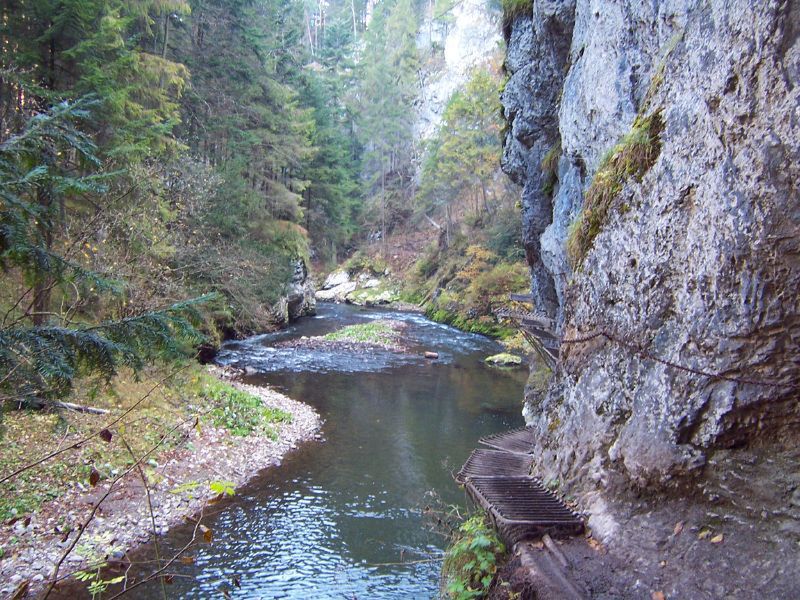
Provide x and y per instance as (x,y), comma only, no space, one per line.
(377,332)
(504,359)
(632,157)
(513,9)
(382,294)
(241,413)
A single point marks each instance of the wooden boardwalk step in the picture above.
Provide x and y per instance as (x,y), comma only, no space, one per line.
(519,441)
(494,463)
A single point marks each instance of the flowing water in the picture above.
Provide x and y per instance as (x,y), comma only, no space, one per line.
(343,518)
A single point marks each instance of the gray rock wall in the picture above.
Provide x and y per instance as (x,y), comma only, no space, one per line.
(698,264)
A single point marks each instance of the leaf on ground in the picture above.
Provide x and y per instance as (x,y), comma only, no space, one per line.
(168,579)
(658,596)
(678,528)
(94,477)
(21,591)
(106,436)
(187,560)
(704,534)
(717,539)
(208,535)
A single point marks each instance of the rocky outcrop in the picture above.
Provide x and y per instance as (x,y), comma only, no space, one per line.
(697,265)
(336,287)
(299,300)
(463,38)
(362,289)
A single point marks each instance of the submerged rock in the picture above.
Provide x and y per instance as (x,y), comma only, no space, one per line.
(504,359)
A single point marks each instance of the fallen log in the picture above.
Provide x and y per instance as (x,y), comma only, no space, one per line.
(78,408)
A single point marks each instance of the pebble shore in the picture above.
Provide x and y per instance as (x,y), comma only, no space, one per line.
(123,520)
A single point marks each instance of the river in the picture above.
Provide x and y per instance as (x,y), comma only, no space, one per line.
(343,518)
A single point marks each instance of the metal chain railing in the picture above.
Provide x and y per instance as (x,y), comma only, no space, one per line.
(643,353)
(637,349)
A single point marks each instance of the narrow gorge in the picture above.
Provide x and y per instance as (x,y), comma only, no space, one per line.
(388,299)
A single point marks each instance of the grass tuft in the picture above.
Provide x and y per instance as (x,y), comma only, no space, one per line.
(630,158)
(549,166)
(377,332)
(241,413)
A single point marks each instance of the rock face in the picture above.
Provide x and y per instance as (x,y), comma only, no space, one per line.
(470,38)
(299,300)
(696,265)
(364,289)
(336,287)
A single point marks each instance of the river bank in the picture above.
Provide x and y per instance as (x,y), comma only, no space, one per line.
(206,461)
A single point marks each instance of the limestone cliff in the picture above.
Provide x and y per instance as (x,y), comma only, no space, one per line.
(453,44)
(697,264)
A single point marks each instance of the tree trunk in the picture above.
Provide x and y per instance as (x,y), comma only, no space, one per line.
(383,210)
(166,35)
(485,199)
(42,287)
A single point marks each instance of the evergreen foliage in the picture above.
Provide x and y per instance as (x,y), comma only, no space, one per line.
(388,88)
(464,156)
(42,351)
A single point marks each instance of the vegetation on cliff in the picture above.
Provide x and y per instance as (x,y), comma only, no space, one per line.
(629,159)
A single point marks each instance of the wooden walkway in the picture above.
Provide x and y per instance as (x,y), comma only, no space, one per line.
(538,331)
(499,480)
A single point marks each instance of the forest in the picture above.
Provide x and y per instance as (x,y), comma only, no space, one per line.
(169,167)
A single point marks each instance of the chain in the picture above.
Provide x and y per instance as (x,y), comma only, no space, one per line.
(648,355)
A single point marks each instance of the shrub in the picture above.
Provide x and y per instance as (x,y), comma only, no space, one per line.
(495,284)
(470,563)
(632,157)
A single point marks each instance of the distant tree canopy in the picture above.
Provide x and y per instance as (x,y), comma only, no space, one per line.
(460,171)
(154,151)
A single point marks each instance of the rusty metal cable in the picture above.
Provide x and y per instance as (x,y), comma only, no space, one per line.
(519,316)
(650,356)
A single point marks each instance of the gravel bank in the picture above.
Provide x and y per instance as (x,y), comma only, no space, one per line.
(179,488)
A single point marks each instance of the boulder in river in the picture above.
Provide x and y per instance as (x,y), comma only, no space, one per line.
(504,359)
